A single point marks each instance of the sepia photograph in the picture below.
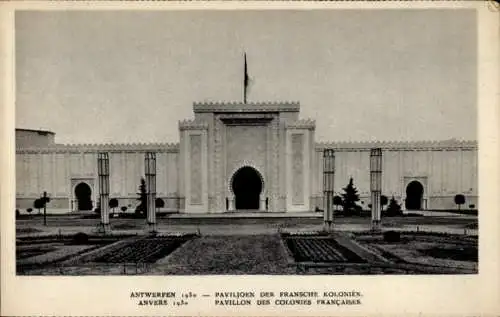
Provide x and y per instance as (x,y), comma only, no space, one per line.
(247,143)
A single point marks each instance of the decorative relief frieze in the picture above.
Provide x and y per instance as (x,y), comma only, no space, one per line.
(301,124)
(195,172)
(297,175)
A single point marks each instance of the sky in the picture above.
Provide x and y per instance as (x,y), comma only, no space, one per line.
(363,75)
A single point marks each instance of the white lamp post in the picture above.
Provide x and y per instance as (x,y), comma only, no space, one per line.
(375,185)
(328,186)
(103,172)
(150,166)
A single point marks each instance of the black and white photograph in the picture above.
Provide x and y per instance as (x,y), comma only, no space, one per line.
(247,143)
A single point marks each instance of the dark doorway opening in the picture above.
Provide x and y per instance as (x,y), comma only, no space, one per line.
(83,196)
(414,194)
(247,185)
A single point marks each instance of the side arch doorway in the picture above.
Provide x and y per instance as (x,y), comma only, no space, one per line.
(414,196)
(83,195)
(247,185)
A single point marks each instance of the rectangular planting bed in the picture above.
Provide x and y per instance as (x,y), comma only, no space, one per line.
(320,249)
(147,250)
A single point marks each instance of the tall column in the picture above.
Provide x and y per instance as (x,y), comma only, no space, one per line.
(328,187)
(150,173)
(103,172)
(375,185)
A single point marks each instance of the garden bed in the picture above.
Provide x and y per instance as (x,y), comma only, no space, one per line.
(430,249)
(147,250)
(320,249)
(30,251)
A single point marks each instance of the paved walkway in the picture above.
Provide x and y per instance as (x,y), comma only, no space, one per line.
(250,229)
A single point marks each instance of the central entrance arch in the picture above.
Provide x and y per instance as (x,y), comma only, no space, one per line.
(247,185)
(414,195)
(83,196)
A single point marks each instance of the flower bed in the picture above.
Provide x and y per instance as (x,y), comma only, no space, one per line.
(147,250)
(320,249)
(30,251)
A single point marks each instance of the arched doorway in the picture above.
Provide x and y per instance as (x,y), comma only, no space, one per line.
(83,195)
(414,195)
(247,186)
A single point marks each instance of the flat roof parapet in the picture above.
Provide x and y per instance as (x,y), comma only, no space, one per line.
(102,147)
(440,145)
(238,106)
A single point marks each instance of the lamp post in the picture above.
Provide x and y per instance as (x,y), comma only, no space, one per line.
(103,172)
(375,185)
(150,171)
(328,186)
(45,199)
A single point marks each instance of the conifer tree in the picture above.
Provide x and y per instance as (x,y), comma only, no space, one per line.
(143,198)
(350,196)
(394,209)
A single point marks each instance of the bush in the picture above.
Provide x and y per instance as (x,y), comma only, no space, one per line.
(123,208)
(394,209)
(80,238)
(392,236)
(18,213)
(472,206)
(459,200)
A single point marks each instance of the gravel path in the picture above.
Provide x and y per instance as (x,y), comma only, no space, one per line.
(258,254)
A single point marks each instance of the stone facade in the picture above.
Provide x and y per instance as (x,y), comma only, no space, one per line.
(198,174)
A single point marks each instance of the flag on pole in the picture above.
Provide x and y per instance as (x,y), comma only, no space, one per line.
(246,80)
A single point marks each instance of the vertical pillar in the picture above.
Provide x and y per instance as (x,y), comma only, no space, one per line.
(262,202)
(375,185)
(103,172)
(232,206)
(328,187)
(150,173)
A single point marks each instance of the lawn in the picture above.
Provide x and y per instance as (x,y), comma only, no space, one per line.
(439,250)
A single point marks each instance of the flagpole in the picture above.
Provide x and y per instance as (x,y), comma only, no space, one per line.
(245,79)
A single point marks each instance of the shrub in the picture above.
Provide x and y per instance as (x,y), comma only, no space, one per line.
(18,213)
(80,238)
(113,203)
(459,200)
(29,210)
(337,201)
(472,206)
(123,208)
(392,236)
(394,209)
(159,203)
(39,204)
